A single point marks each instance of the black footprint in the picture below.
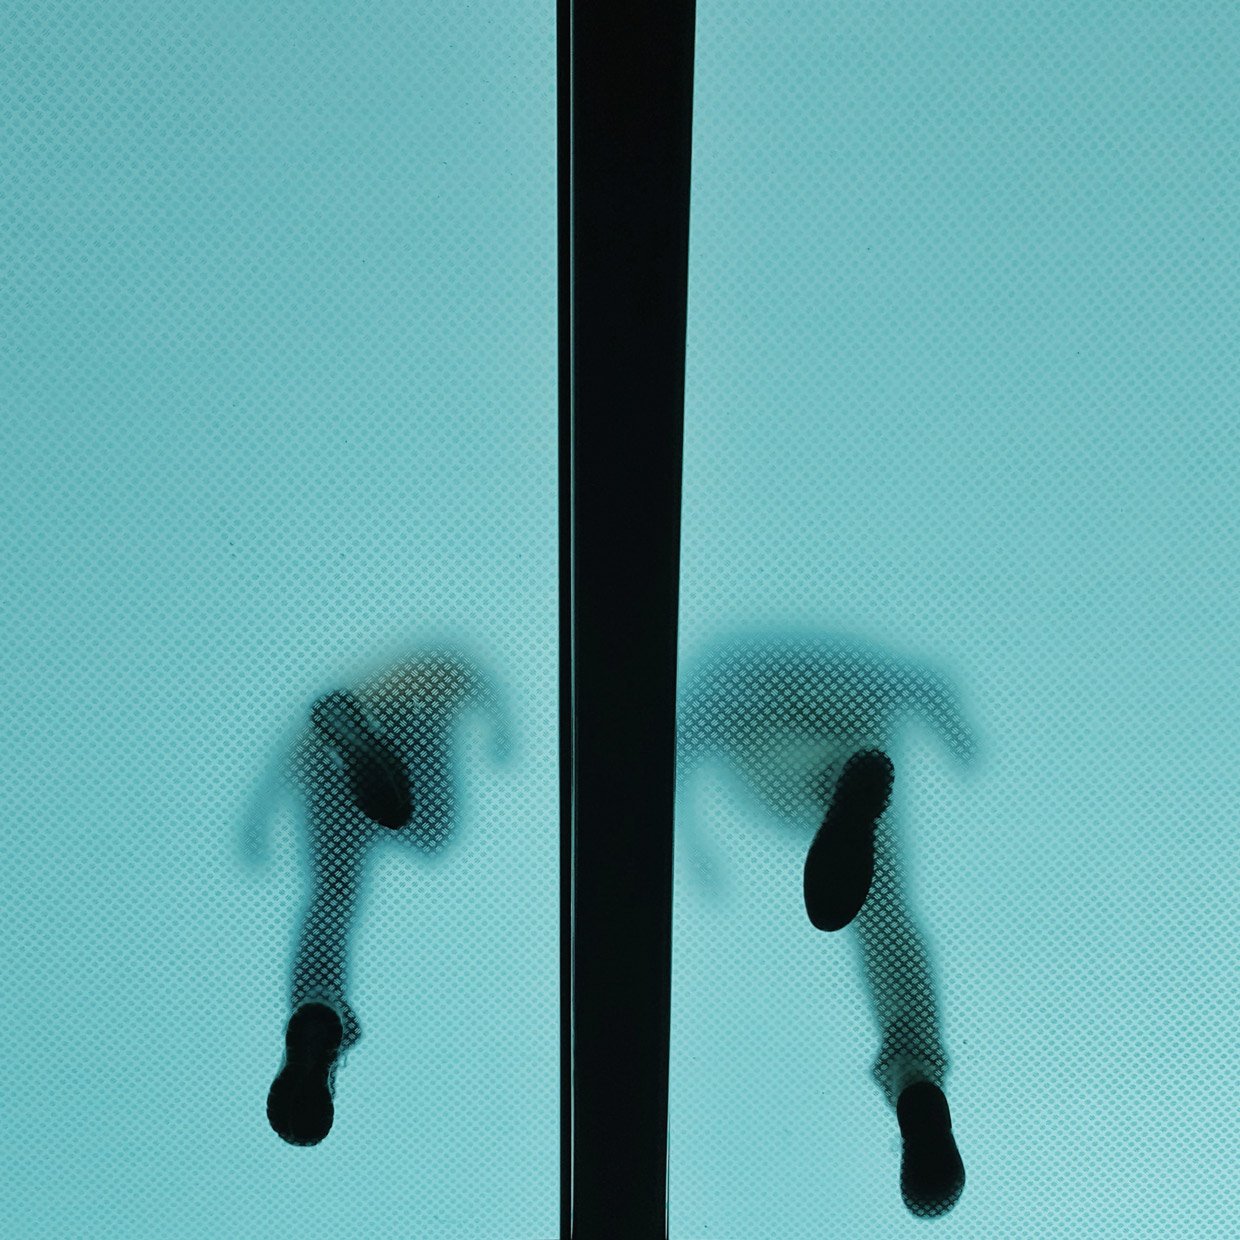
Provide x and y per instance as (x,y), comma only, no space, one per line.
(377,776)
(299,1104)
(839,867)
(931,1173)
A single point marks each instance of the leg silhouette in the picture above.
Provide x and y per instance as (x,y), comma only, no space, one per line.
(299,1106)
(912,1063)
(805,723)
(374,763)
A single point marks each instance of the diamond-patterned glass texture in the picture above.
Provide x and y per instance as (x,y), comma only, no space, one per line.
(961,399)
(278,387)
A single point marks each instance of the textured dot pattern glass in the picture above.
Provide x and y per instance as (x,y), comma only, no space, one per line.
(279,391)
(960,479)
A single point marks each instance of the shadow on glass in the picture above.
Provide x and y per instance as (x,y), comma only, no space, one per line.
(806,724)
(371,762)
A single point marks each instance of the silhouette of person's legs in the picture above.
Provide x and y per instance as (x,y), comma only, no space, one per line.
(805,723)
(321,965)
(373,764)
(911,1063)
(323,1024)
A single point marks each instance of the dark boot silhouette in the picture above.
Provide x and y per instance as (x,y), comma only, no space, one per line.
(931,1172)
(839,866)
(299,1104)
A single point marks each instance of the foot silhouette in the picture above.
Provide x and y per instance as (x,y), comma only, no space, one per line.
(299,1104)
(840,864)
(377,776)
(931,1173)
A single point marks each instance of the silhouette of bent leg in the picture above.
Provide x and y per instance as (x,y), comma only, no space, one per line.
(839,866)
(377,777)
(353,781)
(300,1104)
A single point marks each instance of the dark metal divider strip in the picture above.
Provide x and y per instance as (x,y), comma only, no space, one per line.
(628,135)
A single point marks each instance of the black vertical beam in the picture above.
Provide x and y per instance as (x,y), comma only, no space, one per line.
(630,111)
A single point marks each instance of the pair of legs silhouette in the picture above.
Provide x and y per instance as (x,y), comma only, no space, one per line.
(839,871)
(369,770)
(299,1104)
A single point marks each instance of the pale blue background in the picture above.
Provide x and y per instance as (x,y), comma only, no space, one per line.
(962,382)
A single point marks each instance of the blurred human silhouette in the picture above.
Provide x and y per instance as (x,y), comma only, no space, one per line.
(807,724)
(371,762)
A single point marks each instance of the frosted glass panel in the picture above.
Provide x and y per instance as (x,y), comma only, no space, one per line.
(280,621)
(960,462)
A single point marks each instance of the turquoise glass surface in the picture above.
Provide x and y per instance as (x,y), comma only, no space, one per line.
(279,389)
(278,397)
(961,391)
